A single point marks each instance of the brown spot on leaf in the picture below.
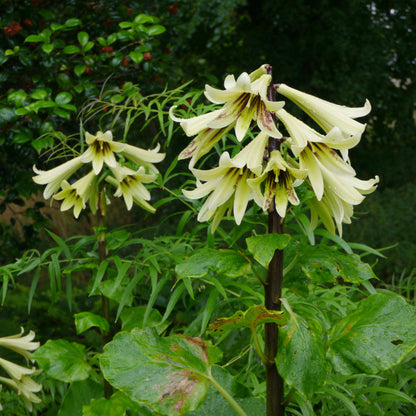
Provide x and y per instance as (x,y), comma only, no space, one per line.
(179,388)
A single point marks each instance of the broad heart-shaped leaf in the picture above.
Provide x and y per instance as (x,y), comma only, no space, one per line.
(63,360)
(253,316)
(300,355)
(86,320)
(324,264)
(262,247)
(375,337)
(228,262)
(79,393)
(216,405)
(168,374)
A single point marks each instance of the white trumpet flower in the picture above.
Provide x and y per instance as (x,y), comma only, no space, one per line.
(101,150)
(279,189)
(335,186)
(77,194)
(130,186)
(20,344)
(329,115)
(54,177)
(141,157)
(25,388)
(228,187)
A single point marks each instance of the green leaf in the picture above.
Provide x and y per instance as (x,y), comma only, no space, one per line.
(134,318)
(375,337)
(86,320)
(169,374)
(228,262)
(62,113)
(300,355)
(6,115)
(156,30)
(80,393)
(216,404)
(63,98)
(22,137)
(143,18)
(325,264)
(42,142)
(115,406)
(79,70)
(63,360)
(83,38)
(263,247)
(19,97)
(33,38)
(72,22)
(47,48)
(114,290)
(39,94)
(55,27)
(46,127)
(136,56)
(251,318)
(88,46)
(70,49)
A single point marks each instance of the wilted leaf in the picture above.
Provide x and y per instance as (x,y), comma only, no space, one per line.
(255,315)
(168,374)
(375,337)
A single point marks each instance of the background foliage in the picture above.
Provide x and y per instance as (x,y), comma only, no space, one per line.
(59,57)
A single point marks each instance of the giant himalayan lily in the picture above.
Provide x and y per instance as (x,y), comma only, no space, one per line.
(77,194)
(129,184)
(25,389)
(329,115)
(244,99)
(101,150)
(54,177)
(20,344)
(142,157)
(335,185)
(16,371)
(228,187)
(202,143)
(280,179)
(300,134)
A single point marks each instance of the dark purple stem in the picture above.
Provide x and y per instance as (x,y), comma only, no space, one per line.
(273,293)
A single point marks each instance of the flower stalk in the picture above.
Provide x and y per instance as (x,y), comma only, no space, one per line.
(272,295)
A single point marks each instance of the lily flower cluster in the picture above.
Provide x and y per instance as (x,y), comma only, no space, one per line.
(285,153)
(19,377)
(101,152)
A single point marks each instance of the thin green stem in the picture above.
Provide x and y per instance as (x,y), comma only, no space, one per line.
(230,399)
(257,346)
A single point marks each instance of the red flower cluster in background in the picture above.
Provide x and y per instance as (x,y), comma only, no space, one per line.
(13,29)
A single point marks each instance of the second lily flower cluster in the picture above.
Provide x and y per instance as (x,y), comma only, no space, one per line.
(19,378)
(270,174)
(102,151)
